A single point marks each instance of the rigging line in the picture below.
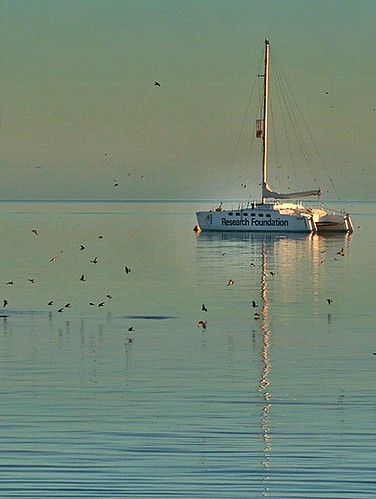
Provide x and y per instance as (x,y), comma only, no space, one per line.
(307,130)
(240,134)
(288,141)
(251,143)
(289,150)
(296,127)
(249,156)
(276,152)
(288,102)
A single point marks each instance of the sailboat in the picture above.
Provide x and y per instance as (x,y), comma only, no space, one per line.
(275,216)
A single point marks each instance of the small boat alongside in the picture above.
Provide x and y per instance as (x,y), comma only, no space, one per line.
(273,216)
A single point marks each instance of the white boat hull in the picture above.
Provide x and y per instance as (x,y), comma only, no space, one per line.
(263,218)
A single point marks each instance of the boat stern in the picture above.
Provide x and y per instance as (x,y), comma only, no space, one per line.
(333,222)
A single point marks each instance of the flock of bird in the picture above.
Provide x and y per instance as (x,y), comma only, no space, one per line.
(51,303)
(127,270)
(203,323)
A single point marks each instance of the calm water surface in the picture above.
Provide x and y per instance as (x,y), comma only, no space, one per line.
(132,399)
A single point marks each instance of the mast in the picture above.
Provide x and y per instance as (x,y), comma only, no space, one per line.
(262,131)
(265,119)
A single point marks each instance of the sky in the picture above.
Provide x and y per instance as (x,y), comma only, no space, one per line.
(81,118)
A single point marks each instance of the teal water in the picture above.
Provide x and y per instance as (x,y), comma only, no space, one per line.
(276,400)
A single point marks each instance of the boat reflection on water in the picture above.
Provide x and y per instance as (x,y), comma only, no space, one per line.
(276,268)
(266,365)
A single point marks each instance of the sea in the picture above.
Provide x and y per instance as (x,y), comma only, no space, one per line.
(140,359)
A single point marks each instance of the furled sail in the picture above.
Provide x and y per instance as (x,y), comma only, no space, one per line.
(267,192)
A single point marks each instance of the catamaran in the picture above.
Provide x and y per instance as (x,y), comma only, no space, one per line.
(275,216)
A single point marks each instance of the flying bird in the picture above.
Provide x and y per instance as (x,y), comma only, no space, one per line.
(31,280)
(131,328)
(127,270)
(10,283)
(5,303)
(204,308)
(34,231)
(109,297)
(341,252)
(254,304)
(82,247)
(54,258)
(329,300)
(82,278)
(95,260)
(157,84)
(50,303)
(202,324)
(101,304)
(230,282)
(67,305)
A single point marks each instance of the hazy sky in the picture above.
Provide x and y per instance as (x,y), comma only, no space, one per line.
(79,108)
